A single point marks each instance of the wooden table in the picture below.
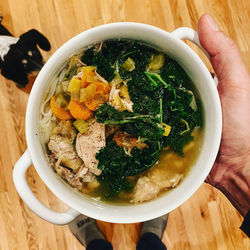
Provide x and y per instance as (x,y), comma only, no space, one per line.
(206,221)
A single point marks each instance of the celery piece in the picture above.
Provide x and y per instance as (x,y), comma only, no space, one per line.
(61,100)
(81,125)
(156,62)
(71,67)
(117,80)
(74,88)
(124,91)
(129,65)
(74,85)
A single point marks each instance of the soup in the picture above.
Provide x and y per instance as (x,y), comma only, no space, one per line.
(122,123)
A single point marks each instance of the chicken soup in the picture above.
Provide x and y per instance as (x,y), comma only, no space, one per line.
(122,123)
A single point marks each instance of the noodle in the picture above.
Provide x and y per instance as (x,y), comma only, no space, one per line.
(46,115)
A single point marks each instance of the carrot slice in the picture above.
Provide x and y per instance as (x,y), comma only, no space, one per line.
(124,140)
(102,87)
(59,112)
(79,110)
(95,102)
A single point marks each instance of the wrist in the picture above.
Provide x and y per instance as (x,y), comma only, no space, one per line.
(233,181)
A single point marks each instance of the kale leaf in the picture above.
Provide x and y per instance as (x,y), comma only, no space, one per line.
(180,116)
(147,129)
(145,126)
(174,74)
(140,54)
(107,114)
(112,50)
(117,166)
(104,67)
(146,99)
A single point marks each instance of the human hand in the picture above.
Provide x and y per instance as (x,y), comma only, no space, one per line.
(231,171)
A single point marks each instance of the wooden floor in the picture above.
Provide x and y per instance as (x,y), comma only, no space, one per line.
(206,221)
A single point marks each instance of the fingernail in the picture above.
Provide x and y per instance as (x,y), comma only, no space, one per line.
(212,23)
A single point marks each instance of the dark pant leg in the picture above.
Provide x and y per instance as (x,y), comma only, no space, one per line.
(150,241)
(99,244)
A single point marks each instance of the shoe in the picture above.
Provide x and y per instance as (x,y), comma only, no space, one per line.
(85,229)
(156,226)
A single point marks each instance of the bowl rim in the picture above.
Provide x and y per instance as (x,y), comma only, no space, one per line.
(31,131)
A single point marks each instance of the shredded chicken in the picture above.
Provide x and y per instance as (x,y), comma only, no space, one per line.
(64,151)
(65,173)
(64,129)
(63,156)
(145,190)
(85,174)
(76,180)
(118,101)
(150,186)
(114,98)
(88,144)
(128,104)
(72,179)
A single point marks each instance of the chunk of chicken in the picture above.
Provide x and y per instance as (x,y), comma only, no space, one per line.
(164,179)
(145,190)
(85,174)
(64,151)
(88,144)
(64,172)
(72,179)
(77,179)
(64,129)
(119,98)
(157,180)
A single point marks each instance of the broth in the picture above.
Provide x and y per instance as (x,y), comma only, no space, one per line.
(169,164)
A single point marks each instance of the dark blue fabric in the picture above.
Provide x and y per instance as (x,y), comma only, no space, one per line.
(150,241)
(245,227)
(99,244)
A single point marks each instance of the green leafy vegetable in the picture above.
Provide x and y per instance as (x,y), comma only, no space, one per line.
(140,54)
(116,166)
(104,68)
(159,90)
(145,126)
(156,80)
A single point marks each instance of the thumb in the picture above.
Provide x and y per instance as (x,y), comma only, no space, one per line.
(224,54)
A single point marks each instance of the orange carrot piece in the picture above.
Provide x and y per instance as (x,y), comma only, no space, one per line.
(79,110)
(95,102)
(87,77)
(102,87)
(124,140)
(59,112)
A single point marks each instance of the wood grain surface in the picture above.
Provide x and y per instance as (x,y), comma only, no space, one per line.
(206,221)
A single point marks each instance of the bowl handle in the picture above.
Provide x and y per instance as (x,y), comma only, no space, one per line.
(30,199)
(192,35)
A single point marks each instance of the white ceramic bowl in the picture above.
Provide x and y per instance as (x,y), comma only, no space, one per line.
(171,44)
